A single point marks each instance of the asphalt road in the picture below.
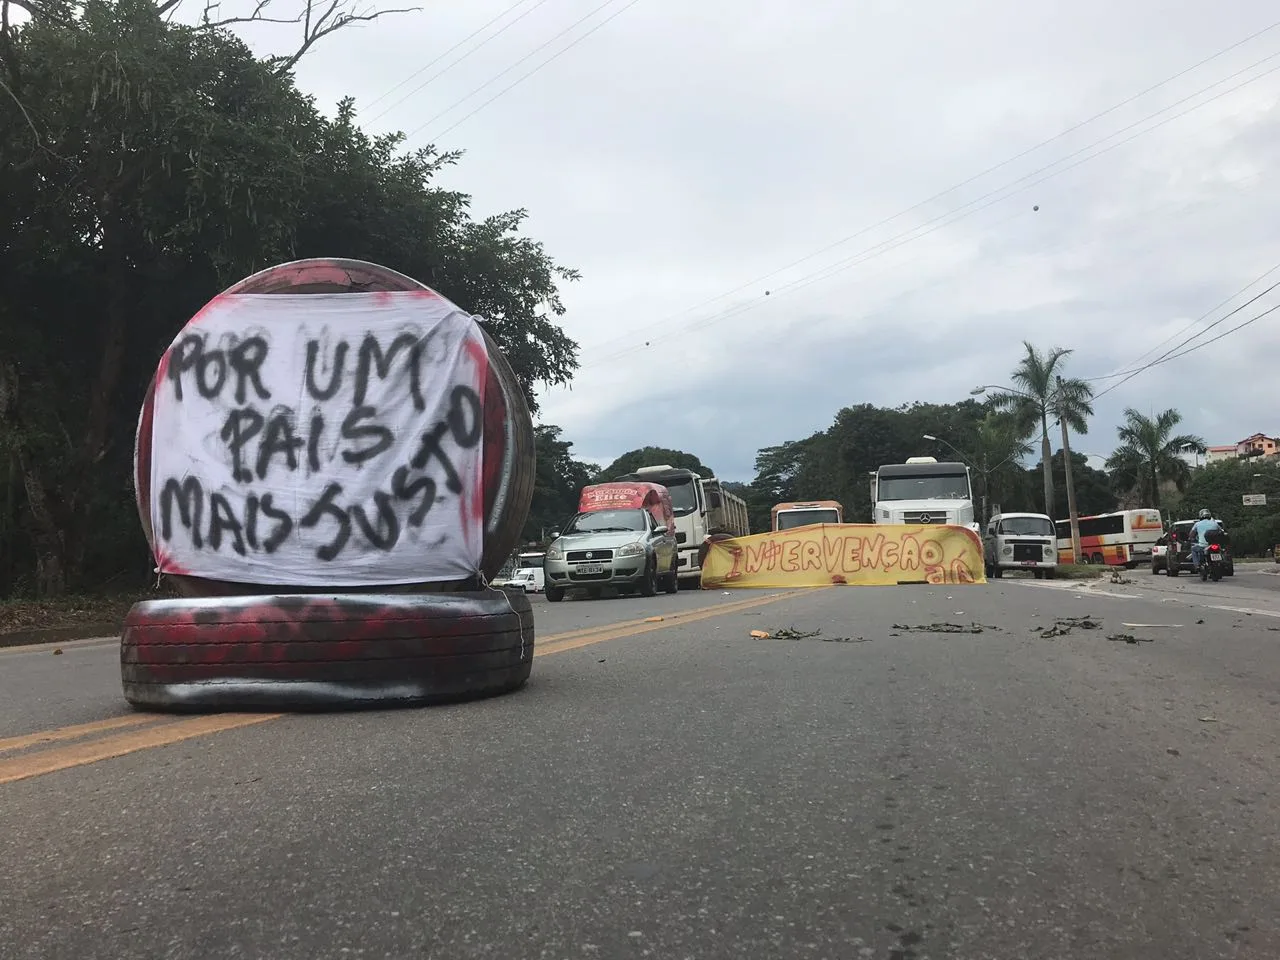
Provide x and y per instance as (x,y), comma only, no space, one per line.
(686,790)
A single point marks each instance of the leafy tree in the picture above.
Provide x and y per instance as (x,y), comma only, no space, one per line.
(1094,493)
(633,460)
(1043,395)
(148,165)
(1220,488)
(999,447)
(559,481)
(1148,454)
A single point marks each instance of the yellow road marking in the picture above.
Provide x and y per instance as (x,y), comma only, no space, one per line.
(80,754)
(79,730)
(616,631)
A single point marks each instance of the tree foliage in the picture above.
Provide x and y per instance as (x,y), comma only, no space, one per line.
(1094,492)
(148,165)
(1220,487)
(1148,455)
(1042,396)
(559,480)
(633,460)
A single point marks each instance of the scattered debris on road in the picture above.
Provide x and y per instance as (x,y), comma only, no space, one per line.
(654,619)
(1118,577)
(944,627)
(791,633)
(1064,625)
(1128,638)
(1156,626)
(1208,719)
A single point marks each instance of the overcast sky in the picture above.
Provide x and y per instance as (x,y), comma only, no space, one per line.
(691,152)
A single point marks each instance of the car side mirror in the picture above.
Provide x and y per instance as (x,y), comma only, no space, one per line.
(661,531)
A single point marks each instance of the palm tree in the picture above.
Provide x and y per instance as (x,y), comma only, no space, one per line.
(1000,443)
(1043,395)
(1148,454)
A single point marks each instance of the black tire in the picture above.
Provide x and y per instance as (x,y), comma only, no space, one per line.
(301,651)
(671,582)
(1098,559)
(554,594)
(1050,573)
(1229,570)
(649,582)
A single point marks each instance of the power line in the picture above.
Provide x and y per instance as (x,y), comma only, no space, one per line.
(1172,354)
(751,305)
(959,213)
(439,73)
(526,76)
(1133,364)
(983,173)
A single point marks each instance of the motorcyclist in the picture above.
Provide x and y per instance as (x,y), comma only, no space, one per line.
(1206,524)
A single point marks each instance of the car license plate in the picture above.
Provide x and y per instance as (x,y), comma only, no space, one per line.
(1028,563)
(1215,557)
(590,568)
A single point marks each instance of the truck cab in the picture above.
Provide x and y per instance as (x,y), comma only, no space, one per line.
(787,516)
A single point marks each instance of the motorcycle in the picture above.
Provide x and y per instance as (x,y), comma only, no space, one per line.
(1212,557)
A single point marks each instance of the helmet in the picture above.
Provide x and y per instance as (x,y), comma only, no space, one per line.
(1205,515)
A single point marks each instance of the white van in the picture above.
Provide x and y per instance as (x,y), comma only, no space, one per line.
(1021,541)
(528,575)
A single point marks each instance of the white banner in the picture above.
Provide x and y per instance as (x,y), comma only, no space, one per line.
(321,439)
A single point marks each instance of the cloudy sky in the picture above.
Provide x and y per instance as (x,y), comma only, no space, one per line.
(754,194)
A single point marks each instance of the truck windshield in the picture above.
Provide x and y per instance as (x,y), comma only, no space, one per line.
(799,518)
(532,560)
(684,498)
(924,486)
(602,521)
(1027,527)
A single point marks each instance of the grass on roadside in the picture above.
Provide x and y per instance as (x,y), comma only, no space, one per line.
(21,615)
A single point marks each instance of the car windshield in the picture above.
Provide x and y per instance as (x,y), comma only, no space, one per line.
(608,521)
(799,518)
(1027,527)
(684,498)
(923,486)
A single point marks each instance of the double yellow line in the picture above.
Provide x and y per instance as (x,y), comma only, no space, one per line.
(143,731)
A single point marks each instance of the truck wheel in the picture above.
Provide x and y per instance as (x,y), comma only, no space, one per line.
(649,582)
(299,651)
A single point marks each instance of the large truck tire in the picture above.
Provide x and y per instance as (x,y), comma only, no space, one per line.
(298,652)
(509,461)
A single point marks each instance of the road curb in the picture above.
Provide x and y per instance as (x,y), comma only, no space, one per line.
(79,631)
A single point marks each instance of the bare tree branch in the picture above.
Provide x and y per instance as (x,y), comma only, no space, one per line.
(318,18)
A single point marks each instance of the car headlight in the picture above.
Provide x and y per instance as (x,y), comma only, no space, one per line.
(629,550)
(1049,552)
(554,553)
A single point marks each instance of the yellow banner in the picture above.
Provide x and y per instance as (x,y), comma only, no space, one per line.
(859,554)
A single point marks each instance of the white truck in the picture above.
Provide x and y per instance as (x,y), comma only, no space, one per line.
(923,491)
(702,508)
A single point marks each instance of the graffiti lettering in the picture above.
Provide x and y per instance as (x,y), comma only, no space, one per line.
(244,359)
(281,442)
(868,554)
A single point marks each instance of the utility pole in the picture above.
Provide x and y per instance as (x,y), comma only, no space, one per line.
(1071,487)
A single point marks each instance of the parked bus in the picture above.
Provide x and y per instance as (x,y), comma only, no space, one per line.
(1120,539)
(789,515)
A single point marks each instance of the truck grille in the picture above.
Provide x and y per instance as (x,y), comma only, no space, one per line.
(588,556)
(1027,551)
(924,516)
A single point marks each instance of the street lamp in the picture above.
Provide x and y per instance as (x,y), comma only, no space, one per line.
(1046,455)
(984,469)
